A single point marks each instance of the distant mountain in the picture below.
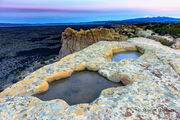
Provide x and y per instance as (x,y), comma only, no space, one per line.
(146,20)
(122,22)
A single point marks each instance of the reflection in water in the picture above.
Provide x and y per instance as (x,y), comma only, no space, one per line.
(81,87)
(126,55)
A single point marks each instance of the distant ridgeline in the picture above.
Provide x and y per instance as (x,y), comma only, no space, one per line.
(145,20)
(110,22)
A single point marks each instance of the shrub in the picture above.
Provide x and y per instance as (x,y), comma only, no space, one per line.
(166,42)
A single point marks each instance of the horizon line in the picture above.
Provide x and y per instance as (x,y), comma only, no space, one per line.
(92,21)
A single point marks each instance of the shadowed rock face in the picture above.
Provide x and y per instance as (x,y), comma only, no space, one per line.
(73,41)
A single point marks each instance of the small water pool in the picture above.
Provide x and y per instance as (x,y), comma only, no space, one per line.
(81,87)
(126,55)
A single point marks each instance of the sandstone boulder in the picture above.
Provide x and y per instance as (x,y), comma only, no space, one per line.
(127,30)
(144,33)
(176,45)
(165,40)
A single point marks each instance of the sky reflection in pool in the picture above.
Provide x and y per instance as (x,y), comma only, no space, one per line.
(126,55)
(81,87)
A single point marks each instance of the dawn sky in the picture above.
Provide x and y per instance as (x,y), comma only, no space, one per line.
(65,11)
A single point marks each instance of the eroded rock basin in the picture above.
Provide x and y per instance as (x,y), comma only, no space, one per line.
(126,55)
(81,87)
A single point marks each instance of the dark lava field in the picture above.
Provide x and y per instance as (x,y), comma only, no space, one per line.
(25,49)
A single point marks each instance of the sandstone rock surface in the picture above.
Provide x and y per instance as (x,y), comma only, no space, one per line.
(127,30)
(153,90)
(177,44)
(73,41)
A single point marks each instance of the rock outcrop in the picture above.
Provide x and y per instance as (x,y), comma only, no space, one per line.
(152,90)
(165,40)
(133,31)
(73,41)
(127,30)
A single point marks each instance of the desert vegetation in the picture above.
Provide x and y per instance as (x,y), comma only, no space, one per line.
(172,29)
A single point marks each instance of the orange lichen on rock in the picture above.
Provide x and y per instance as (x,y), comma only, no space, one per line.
(43,87)
(93,66)
(13,91)
(80,67)
(78,112)
(60,75)
(6,92)
(115,50)
(68,57)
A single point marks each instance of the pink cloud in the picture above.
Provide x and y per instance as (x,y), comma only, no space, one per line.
(103,7)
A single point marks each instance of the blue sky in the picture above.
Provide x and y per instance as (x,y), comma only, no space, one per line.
(66,11)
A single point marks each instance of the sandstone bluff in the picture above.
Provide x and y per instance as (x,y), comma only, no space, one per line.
(73,40)
(152,82)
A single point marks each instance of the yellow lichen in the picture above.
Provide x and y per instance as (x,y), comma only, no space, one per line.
(60,75)
(67,57)
(43,87)
(78,112)
(80,67)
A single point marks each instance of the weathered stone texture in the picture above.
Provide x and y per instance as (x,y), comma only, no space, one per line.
(73,41)
(152,90)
